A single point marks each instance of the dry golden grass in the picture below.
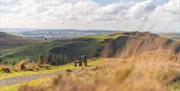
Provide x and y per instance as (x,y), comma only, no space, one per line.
(24,66)
(148,72)
(5,69)
(21,65)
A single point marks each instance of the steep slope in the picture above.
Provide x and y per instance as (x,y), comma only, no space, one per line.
(135,43)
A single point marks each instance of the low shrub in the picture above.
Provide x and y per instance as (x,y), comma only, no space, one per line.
(5,69)
(21,65)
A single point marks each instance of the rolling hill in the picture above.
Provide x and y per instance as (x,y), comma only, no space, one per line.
(114,45)
(11,41)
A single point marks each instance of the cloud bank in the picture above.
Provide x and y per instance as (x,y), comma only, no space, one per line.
(127,15)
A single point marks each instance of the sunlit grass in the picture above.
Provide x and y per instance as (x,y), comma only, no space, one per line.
(15,87)
(175,86)
(142,73)
(105,36)
(36,82)
(4,75)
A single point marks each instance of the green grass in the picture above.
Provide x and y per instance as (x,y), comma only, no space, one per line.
(175,86)
(24,52)
(15,87)
(10,56)
(4,75)
(36,82)
(9,88)
(102,37)
(75,48)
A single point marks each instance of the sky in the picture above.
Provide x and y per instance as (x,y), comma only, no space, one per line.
(126,15)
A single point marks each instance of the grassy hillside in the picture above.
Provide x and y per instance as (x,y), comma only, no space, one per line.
(11,41)
(63,51)
(10,56)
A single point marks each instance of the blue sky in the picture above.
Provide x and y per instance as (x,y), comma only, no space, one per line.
(127,15)
(161,1)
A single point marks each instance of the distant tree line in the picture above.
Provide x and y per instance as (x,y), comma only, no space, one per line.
(52,58)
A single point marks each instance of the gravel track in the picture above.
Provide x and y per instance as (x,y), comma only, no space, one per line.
(24,79)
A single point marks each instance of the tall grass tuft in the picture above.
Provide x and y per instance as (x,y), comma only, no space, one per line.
(155,72)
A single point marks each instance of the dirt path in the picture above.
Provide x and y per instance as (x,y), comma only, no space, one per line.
(24,79)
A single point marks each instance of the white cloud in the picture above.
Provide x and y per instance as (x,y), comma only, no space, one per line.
(142,9)
(140,15)
(112,9)
(169,11)
(167,17)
